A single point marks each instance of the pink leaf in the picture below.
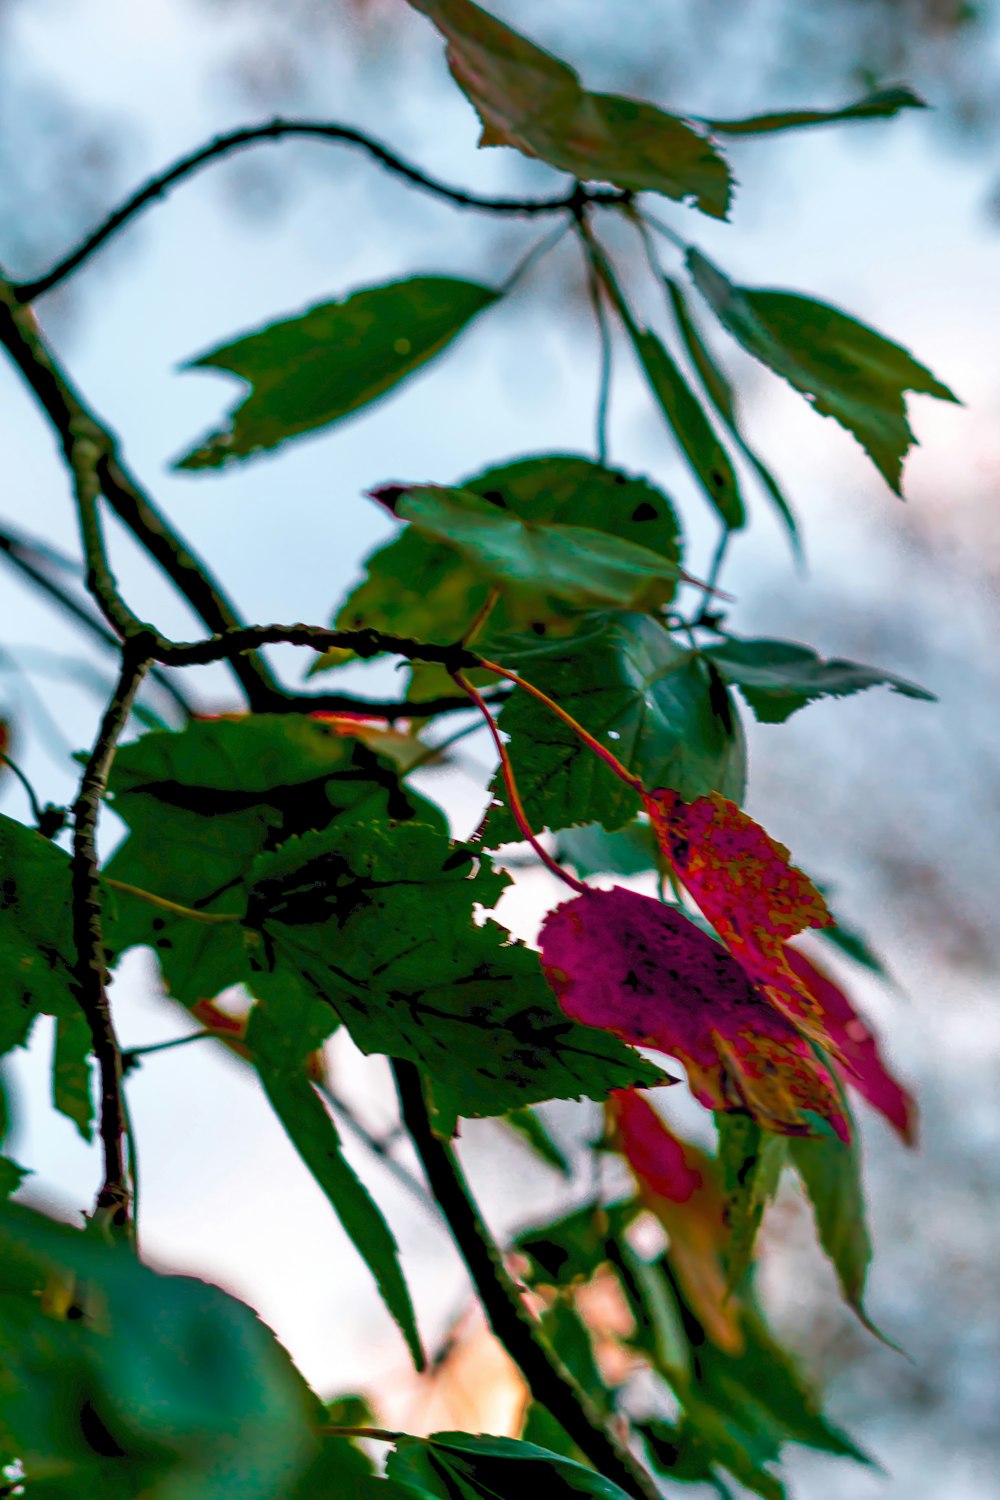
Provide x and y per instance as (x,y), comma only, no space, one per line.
(640,969)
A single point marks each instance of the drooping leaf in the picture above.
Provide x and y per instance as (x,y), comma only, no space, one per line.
(375,921)
(643,971)
(778,677)
(719,391)
(855,945)
(118,1380)
(310,371)
(684,414)
(564,567)
(845,369)
(831,1176)
(865,1068)
(71,1081)
(751,1159)
(879,105)
(592,850)
(529,99)
(449,1464)
(279,1050)
(37,951)
(743,883)
(527,1124)
(680,1184)
(630,685)
(203,803)
(421,587)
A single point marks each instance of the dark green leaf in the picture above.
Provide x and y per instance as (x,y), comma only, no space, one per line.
(751,1159)
(279,1052)
(118,1380)
(11,1176)
(528,1125)
(310,371)
(203,803)
(778,677)
(420,587)
(376,921)
(492,1467)
(561,566)
(529,99)
(875,106)
(845,369)
(635,690)
(830,1170)
(36,932)
(720,392)
(71,1083)
(685,416)
(574,1247)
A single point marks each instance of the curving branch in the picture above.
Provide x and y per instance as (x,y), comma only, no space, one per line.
(278,129)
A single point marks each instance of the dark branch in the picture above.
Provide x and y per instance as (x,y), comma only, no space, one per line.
(114,1201)
(364,643)
(274,130)
(550,1382)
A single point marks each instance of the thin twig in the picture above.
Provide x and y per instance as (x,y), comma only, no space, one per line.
(114,1201)
(274,130)
(607,350)
(365,643)
(29,790)
(550,1382)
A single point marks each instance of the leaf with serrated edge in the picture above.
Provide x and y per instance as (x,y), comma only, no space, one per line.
(778,677)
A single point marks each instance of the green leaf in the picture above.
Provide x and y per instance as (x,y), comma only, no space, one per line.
(778,677)
(451,1463)
(592,850)
(203,803)
(313,370)
(529,99)
(563,566)
(650,701)
(279,1054)
(71,1082)
(751,1159)
(420,587)
(830,1170)
(879,105)
(117,1380)
(527,1124)
(685,416)
(11,1176)
(843,368)
(37,951)
(572,1248)
(376,921)
(719,391)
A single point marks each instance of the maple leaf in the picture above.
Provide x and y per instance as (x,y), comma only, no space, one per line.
(642,970)
(865,1068)
(755,899)
(680,1185)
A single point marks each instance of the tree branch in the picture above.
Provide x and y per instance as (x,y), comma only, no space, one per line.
(114,1201)
(550,1382)
(274,130)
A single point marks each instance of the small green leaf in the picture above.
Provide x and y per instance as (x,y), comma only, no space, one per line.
(719,391)
(71,1081)
(529,99)
(778,677)
(751,1159)
(830,1170)
(420,587)
(37,951)
(592,850)
(563,566)
(685,416)
(118,1380)
(527,1123)
(310,371)
(279,1054)
(879,105)
(458,1463)
(843,368)
(634,689)
(572,1248)
(11,1176)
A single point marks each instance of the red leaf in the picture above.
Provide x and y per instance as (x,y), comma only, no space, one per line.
(865,1068)
(743,883)
(679,1184)
(640,969)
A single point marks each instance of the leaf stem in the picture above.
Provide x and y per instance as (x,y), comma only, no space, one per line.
(213,918)
(607,351)
(29,791)
(550,1382)
(510,782)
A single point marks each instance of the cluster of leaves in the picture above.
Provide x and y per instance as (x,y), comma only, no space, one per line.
(289,854)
